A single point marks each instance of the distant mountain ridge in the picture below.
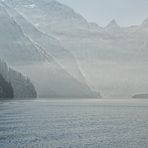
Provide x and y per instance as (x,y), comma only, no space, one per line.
(108,59)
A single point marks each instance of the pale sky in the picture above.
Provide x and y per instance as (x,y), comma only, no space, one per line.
(125,12)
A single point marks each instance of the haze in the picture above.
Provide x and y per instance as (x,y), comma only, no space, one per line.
(126,12)
(56,47)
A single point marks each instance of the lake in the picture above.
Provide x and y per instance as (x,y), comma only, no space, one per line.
(86,123)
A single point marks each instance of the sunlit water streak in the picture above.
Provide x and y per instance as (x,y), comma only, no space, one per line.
(74,124)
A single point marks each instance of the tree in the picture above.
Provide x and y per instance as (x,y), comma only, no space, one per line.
(6,90)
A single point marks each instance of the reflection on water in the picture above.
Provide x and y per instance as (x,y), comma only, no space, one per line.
(74,124)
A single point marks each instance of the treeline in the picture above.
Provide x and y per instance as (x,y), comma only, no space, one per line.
(15,84)
(6,90)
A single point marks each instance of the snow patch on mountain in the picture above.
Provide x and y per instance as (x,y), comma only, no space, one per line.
(30,6)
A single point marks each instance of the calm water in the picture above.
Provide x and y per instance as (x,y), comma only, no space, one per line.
(74,124)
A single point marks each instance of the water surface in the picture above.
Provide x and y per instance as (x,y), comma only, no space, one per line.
(74,124)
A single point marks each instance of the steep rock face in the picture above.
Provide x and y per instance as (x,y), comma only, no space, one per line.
(43,59)
(14,46)
(50,46)
(22,86)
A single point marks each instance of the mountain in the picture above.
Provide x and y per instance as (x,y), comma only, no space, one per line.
(110,59)
(50,46)
(31,52)
(145,23)
(95,27)
(50,11)
(14,84)
(13,41)
(112,25)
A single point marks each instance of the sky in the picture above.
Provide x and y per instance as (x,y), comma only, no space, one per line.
(125,12)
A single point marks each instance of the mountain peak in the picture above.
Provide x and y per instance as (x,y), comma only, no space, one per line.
(145,23)
(113,24)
